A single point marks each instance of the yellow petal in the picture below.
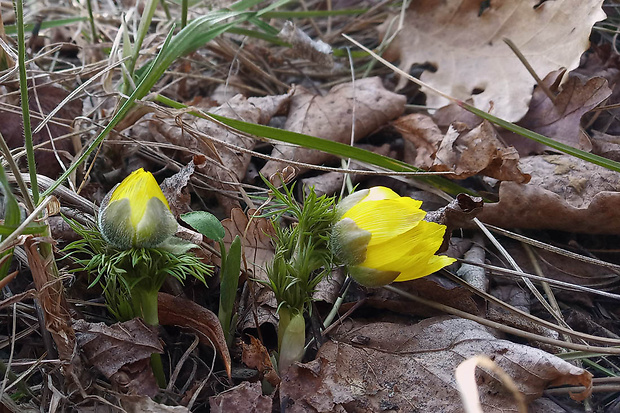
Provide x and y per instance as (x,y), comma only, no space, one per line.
(433,264)
(409,253)
(377,193)
(386,219)
(138,188)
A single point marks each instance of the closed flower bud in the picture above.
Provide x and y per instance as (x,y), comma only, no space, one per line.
(135,213)
(382,238)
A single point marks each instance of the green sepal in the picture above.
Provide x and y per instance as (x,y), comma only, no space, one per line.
(349,242)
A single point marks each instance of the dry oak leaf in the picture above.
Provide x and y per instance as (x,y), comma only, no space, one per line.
(565,193)
(466,47)
(469,152)
(122,352)
(411,368)
(560,119)
(331,117)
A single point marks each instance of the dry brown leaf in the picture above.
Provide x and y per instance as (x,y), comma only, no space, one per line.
(175,187)
(122,352)
(143,404)
(561,118)
(565,193)
(457,214)
(467,49)
(470,152)
(182,312)
(422,138)
(256,356)
(331,117)
(246,397)
(53,302)
(606,145)
(411,368)
(255,234)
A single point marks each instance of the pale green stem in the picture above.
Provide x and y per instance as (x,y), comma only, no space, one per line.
(145,306)
(292,339)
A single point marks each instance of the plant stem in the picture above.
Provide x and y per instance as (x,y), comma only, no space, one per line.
(23,88)
(184,13)
(145,306)
(92,21)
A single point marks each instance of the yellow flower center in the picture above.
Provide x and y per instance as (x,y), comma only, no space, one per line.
(138,188)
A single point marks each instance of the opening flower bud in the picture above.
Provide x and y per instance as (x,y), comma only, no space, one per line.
(135,213)
(382,237)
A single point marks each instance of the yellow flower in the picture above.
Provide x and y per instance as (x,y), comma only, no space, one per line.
(382,237)
(135,213)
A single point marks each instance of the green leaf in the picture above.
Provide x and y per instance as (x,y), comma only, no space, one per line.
(231,267)
(205,223)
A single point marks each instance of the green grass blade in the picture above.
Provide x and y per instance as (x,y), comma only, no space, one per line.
(23,89)
(334,148)
(578,153)
(11,29)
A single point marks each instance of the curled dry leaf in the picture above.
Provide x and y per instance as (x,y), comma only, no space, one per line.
(257,252)
(566,194)
(256,356)
(606,145)
(464,43)
(122,352)
(182,312)
(470,152)
(560,119)
(457,214)
(175,187)
(53,302)
(422,138)
(246,397)
(331,117)
(404,367)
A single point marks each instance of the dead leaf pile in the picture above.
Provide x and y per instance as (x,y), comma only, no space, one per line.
(371,367)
